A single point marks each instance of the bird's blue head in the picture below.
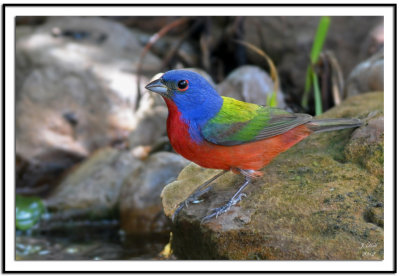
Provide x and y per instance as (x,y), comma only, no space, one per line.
(194,97)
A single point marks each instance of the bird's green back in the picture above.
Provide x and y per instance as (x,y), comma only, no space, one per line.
(239,122)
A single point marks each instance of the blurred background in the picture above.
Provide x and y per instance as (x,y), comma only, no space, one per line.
(92,155)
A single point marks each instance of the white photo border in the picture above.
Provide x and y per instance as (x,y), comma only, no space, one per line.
(11,11)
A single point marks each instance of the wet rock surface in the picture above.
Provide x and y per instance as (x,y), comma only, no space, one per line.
(316,201)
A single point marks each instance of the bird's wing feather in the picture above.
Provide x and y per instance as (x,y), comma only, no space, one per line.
(240,122)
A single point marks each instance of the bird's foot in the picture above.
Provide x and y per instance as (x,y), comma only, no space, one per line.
(195,197)
(234,200)
(223,209)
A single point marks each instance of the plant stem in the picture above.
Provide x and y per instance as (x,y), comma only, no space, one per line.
(317,95)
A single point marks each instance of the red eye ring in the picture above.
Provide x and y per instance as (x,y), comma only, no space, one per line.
(183,85)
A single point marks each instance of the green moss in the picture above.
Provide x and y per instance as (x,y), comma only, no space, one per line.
(28,211)
(366,154)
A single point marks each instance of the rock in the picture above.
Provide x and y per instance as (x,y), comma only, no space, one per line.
(288,40)
(149,123)
(140,203)
(92,188)
(374,41)
(366,76)
(316,201)
(75,89)
(366,145)
(250,84)
(39,174)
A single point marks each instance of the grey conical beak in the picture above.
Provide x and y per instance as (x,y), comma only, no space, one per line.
(157,86)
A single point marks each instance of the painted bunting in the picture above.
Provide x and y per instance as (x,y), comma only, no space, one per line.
(223,133)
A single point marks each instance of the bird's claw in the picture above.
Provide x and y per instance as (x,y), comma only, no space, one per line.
(194,198)
(177,210)
(217,212)
(223,209)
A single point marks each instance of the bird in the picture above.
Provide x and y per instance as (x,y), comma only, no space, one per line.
(223,133)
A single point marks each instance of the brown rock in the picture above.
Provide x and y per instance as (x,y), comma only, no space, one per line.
(366,145)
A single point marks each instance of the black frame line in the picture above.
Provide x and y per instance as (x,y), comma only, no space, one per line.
(394,6)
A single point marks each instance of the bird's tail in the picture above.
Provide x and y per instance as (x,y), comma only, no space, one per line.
(332,124)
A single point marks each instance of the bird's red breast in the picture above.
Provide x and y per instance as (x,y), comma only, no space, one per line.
(248,156)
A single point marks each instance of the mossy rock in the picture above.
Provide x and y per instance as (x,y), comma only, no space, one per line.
(320,200)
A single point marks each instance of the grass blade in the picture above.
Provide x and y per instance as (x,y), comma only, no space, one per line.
(311,77)
(307,87)
(317,95)
(319,38)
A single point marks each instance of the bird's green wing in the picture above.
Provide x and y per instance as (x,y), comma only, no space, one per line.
(240,122)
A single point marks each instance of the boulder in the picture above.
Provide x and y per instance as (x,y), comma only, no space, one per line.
(92,188)
(150,122)
(75,91)
(320,200)
(366,76)
(140,203)
(250,84)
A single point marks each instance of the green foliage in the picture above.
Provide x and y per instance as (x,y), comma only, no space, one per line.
(28,211)
(319,38)
(272,99)
(307,86)
(311,76)
(317,95)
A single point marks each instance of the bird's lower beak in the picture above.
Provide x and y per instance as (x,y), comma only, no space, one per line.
(157,86)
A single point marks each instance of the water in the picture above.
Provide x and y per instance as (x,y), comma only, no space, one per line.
(106,242)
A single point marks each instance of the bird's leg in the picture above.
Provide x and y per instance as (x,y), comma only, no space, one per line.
(194,197)
(248,174)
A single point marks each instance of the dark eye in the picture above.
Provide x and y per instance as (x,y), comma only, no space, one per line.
(183,85)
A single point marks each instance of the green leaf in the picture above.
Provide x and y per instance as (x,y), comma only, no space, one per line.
(28,211)
(317,95)
(319,38)
(307,87)
(272,100)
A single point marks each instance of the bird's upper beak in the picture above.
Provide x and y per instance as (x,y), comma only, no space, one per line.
(157,86)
